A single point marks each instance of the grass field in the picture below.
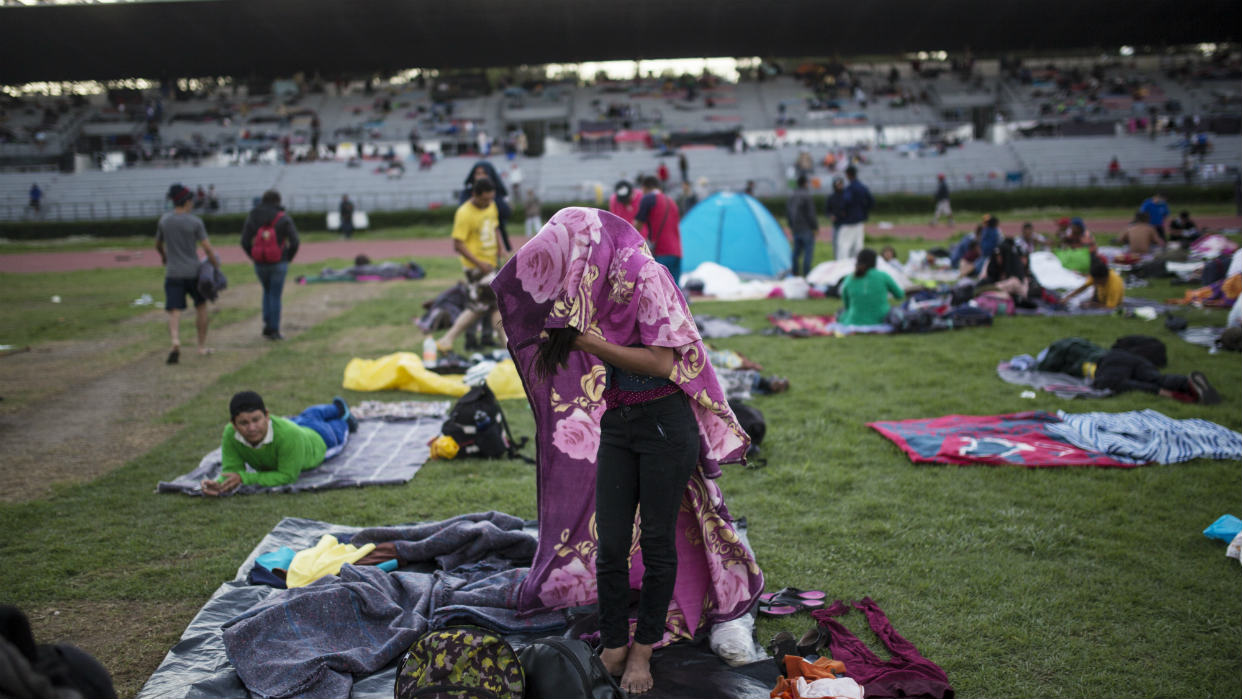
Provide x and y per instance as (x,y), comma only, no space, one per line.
(1072,582)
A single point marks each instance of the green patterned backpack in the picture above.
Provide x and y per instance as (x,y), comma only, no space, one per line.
(460,662)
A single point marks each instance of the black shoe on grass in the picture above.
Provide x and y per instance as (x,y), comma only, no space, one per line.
(1203,390)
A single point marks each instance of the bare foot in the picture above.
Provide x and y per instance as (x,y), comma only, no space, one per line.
(204,351)
(637,678)
(614,660)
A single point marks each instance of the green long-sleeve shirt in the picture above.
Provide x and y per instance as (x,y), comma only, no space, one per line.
(289,450)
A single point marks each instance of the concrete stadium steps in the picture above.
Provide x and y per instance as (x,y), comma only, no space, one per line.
(139,192)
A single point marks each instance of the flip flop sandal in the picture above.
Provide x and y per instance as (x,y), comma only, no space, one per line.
(794,592)
(777,609)
(798,603)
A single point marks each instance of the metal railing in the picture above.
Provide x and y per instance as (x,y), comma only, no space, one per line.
(111,208)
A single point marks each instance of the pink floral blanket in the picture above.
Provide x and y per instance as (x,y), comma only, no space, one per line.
(590,270)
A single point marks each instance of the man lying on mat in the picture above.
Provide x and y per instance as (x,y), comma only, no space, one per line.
(278,449)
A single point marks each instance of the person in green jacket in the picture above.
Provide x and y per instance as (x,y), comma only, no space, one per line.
(277,449)
(865,292)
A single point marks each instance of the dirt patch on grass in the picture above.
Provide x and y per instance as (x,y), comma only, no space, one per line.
(129,638)
(85,408)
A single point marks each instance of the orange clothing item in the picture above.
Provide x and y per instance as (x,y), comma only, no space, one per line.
(795,666)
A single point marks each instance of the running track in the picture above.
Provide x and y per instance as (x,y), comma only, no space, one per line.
(415,248)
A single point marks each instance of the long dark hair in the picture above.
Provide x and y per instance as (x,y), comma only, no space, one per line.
(554,353)
(865,262)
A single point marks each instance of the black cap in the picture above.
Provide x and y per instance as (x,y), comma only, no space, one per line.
(179,194)
(244,402)
(623,190)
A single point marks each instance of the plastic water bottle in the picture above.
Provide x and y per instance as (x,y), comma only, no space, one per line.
(429,351)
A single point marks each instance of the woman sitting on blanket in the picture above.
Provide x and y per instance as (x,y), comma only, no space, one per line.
(623,392)
(865,292)
(1006,269)
(278,449)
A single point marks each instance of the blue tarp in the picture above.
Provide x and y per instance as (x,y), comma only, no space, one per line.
(736,231)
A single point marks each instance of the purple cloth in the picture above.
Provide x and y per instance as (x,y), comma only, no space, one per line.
(590,270)
(906,674)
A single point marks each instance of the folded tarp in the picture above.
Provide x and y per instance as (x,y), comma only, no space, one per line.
(1059,385)
(1148,436)
(379,453)
(1019,439)
(404,371)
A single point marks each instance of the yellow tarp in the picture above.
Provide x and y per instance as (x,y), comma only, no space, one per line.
(404,371)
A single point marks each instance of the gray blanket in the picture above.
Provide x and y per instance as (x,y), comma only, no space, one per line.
(379,453)
(456,542)
(1060,385)
(713,327)
(197,666)
(341,635)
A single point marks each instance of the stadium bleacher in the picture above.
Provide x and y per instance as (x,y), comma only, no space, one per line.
(906,130)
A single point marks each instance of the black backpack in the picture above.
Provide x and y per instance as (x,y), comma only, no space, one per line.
(1147,347)
(751,420)
(562,668)
(964,316)
(905,320)
(478,425)
(460,662)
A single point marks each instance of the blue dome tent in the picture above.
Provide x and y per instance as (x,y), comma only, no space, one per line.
(734,230)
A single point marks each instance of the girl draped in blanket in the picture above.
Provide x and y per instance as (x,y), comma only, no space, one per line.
(629,417)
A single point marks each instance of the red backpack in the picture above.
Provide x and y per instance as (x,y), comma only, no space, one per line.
(266,249)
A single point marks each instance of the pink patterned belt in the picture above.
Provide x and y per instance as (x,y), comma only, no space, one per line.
(615,397)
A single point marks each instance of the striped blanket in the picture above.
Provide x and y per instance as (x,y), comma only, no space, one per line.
(1147,436)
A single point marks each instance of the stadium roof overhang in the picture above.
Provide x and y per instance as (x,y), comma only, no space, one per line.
(279,37)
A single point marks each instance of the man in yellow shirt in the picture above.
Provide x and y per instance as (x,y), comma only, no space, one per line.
(1110,288)
(474,239)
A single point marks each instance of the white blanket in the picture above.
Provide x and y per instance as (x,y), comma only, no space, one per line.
(1051,274)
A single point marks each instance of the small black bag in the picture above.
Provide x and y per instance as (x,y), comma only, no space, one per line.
(479,427)
(561,668)
(905,320)
(1147,347)
(751,420)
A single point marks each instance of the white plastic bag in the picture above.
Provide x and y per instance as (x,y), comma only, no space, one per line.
(734,641)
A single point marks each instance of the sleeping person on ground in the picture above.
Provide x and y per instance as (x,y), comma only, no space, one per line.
(277,449)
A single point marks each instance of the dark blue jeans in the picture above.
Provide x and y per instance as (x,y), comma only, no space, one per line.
(803,252)
(272,277)
(326,421)
(647,454)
